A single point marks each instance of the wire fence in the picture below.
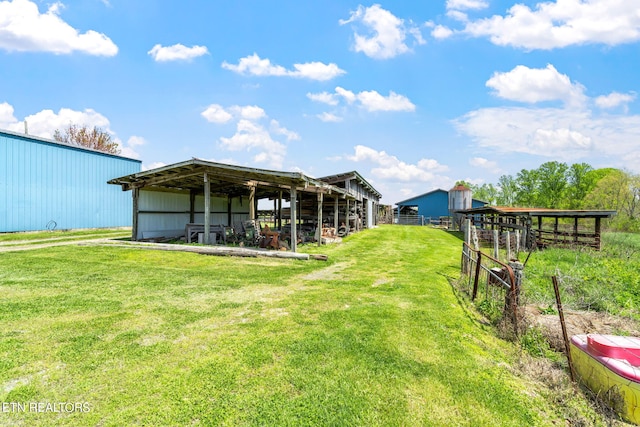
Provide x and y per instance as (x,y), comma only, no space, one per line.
(494,285)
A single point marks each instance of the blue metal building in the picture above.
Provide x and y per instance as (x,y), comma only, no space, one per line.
(434,204)
(43,181)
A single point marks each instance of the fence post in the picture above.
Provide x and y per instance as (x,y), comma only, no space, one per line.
(476,279)
(496,244)
(467,240)
(508,246)
(513,297)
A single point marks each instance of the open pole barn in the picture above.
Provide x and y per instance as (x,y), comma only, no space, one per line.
(46,184)
(208,197)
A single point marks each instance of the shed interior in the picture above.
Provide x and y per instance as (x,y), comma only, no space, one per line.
(204,196)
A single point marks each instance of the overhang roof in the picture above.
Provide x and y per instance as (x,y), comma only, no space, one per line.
(519,211)
(341,177)
(225,179)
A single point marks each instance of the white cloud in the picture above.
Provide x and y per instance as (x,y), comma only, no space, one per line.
(129,150)
(254,65)
(467,4)
(615,99)
(533,85)
(24,29)
(386,32)
(7,118)
(324,97)
(349,96)
(557,133)
(373,101)
(44,124)
(329,117)
(441,32)
(153,165)
(216,114)
(177,52)
(280,130)
(369,100)
(562,23)
(251,112)
(481,162)
(250,135)
(393,169)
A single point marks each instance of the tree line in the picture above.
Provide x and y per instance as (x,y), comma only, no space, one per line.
(557,185)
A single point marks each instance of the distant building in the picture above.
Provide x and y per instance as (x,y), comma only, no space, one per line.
(437,204)
(367,198)
(46,184)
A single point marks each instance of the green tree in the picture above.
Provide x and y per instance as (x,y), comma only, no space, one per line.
(485,192)
(552,182)
(528,191)
(508,191)
(581,181)
(96,138)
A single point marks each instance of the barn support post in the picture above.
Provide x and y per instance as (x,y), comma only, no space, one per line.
(192,206)
(280,210)
(347,224)
(252,202)
(336,223)
(293,209)
(319,226)
(597,234)
(229,207)
(135,193)
(207,209)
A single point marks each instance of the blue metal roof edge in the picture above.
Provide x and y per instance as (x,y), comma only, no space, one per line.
(64,144)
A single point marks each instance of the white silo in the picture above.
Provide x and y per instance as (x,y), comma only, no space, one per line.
(459,199)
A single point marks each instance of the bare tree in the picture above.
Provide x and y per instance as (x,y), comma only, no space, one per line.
(96,138)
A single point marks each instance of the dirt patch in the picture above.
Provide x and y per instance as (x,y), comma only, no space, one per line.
(578,322)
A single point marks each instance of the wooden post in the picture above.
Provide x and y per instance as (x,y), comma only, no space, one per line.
(192,206)
(207,209)
(575,230)
(465,248)
(336,213)
(476,279)
(508,246)
(565,336)
(347,224)
(293,209)
(229,211)
(135,193)
(496,244)
(319,226)
(597,230)
(252,202)
(280,210)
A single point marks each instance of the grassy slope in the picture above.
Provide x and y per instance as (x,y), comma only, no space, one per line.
(373,337)
(607,281)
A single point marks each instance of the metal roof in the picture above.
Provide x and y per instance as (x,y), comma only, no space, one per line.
(333,179)
(520,211)
(225,179)
(65,144)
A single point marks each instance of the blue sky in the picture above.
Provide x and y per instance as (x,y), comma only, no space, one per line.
(414,95)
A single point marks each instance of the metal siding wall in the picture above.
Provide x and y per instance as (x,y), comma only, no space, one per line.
(179,203)
(44,182)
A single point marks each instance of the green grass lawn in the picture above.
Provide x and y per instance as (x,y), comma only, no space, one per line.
(374,336)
